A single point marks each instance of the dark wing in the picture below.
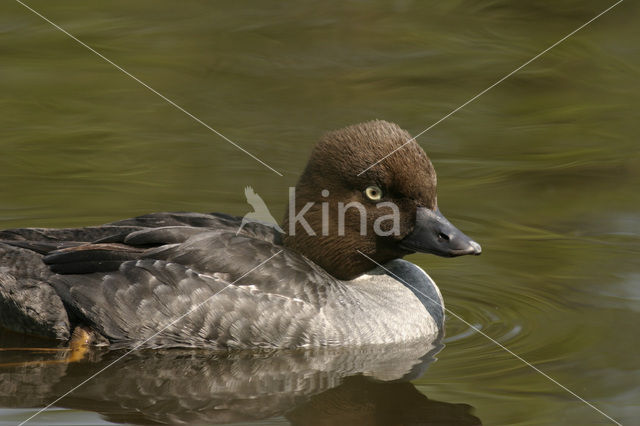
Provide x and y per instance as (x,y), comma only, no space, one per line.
(104,248)
(41,238)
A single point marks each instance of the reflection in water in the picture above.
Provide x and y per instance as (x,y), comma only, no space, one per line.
(365,385)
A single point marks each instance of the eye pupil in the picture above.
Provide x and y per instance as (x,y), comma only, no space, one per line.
(373,193)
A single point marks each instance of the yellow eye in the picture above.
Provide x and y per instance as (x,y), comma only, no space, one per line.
(373,193)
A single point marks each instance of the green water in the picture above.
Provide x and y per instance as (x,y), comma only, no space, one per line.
(543,170)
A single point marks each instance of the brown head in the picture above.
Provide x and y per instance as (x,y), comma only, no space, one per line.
(386,212)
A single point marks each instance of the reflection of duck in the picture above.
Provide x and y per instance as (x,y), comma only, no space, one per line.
(367,385)
(360,401)
(127,281)
(260,211)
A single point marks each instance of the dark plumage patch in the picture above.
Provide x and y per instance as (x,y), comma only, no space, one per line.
(28,304)
(89,258)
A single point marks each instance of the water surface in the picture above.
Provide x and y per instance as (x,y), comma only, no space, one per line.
(543,170)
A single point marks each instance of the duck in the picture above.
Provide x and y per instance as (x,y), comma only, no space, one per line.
(332,274)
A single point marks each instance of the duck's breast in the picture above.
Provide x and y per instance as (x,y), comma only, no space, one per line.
(377,309)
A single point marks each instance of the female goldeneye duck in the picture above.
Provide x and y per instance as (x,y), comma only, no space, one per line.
(335,277)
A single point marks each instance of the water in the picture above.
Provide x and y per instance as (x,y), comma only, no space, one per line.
(542,170)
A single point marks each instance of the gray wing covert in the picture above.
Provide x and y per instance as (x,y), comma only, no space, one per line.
(286,273)
(157,303)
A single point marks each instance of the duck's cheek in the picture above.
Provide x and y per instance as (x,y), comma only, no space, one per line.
(387,220)
(402,217)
